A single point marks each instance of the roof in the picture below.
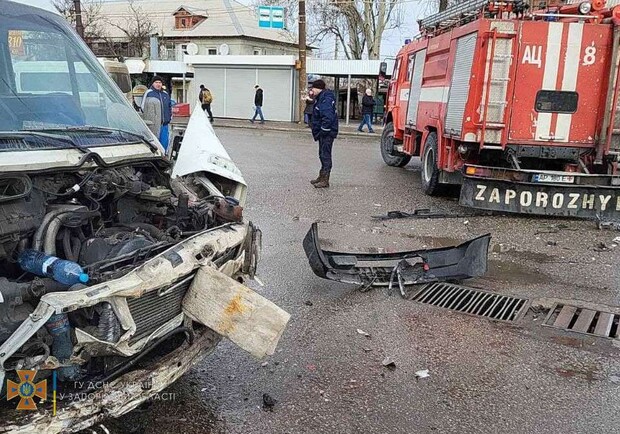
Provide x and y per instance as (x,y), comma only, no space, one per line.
(225,18)
(343,68)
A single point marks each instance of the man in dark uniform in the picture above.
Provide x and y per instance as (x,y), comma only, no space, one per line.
(324,129)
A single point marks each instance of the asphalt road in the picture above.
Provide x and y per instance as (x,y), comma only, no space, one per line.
(485,377)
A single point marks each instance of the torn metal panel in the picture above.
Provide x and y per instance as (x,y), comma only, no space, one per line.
(202,151)
(116,398)
(414,267)
(235,311)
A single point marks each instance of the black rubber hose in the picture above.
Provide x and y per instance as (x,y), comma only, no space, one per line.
(120,371)
(152,230)
(66,244)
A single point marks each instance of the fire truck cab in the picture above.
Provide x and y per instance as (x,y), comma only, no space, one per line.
(517,106)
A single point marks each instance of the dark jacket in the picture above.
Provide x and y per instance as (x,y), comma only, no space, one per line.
(164,100)
(368,104)
(324,116)
(258,97)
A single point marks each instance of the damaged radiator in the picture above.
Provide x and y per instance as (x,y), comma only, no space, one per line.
(156,308)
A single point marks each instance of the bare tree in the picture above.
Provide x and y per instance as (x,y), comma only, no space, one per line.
(92,17)
(136,27)
(359,25)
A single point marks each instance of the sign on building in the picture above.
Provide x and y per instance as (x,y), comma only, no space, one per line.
(271,17)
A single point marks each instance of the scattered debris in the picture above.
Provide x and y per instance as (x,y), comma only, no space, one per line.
(424,213)
(602,247)
(501,248)
(466,222)
(264,364)
(389,363)
(296,218)
(609,225)
(362,332)
(616,240)
(367,350)
(308,303)
(268,402)
(377,205)
(552,243)
(614,379)
(553,229)
(422,374)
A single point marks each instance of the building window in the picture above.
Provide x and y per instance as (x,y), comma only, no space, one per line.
(258,51)
(212,51)
(186,20)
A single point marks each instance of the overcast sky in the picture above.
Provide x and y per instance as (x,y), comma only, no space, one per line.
(392,40)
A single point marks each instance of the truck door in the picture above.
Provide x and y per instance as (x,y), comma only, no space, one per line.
(559,82)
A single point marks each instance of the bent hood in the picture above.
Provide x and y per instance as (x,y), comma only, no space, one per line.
(202,151)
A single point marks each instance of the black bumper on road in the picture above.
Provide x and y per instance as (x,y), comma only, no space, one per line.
(412,267)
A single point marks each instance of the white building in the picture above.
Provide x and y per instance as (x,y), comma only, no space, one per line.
(217,27)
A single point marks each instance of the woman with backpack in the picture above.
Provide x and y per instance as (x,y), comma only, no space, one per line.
(206,99)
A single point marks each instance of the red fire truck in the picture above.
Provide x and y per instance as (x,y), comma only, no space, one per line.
(518,106)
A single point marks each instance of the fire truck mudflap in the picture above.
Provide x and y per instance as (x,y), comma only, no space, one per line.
(568,195)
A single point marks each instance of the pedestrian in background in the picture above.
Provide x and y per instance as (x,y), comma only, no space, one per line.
(258,105)
(161,117)
(324,129)
(309,98)
(206,98)
(368,106)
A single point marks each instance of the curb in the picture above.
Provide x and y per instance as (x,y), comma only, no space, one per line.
(294,130)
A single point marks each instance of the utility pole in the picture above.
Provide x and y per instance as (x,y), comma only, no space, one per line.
(302,56)
(336,48)
(79,27)
(443,5)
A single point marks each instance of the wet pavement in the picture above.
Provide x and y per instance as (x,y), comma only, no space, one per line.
(485,377)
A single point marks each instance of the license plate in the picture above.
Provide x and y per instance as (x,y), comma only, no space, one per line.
(561,179)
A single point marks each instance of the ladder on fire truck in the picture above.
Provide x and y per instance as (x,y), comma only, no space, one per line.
(465,11)
(497,74)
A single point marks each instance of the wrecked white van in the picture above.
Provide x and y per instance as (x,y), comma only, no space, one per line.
(165,249)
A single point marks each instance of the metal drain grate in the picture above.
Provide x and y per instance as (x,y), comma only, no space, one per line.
(582,320)
(472,301)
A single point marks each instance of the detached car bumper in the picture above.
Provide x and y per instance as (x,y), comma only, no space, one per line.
(406,268)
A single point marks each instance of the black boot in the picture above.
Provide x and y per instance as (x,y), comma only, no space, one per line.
(318,179)
(323,182)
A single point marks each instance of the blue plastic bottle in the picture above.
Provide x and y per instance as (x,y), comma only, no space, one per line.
(62,271)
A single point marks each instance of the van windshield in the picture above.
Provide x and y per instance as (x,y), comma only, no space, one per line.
(50,81)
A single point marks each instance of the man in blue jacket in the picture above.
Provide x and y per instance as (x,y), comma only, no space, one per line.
(156,92)
(324,129)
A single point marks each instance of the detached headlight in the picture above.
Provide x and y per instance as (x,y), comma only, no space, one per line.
(585,8)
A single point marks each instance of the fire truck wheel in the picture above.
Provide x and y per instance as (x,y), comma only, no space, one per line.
(390,156)
(430,171)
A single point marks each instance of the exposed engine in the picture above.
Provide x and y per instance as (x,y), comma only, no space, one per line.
(109,221)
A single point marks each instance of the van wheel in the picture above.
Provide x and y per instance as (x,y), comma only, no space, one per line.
(430,171)
(390,156)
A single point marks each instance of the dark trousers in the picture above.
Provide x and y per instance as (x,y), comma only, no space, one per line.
(207,109)
(325,152)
